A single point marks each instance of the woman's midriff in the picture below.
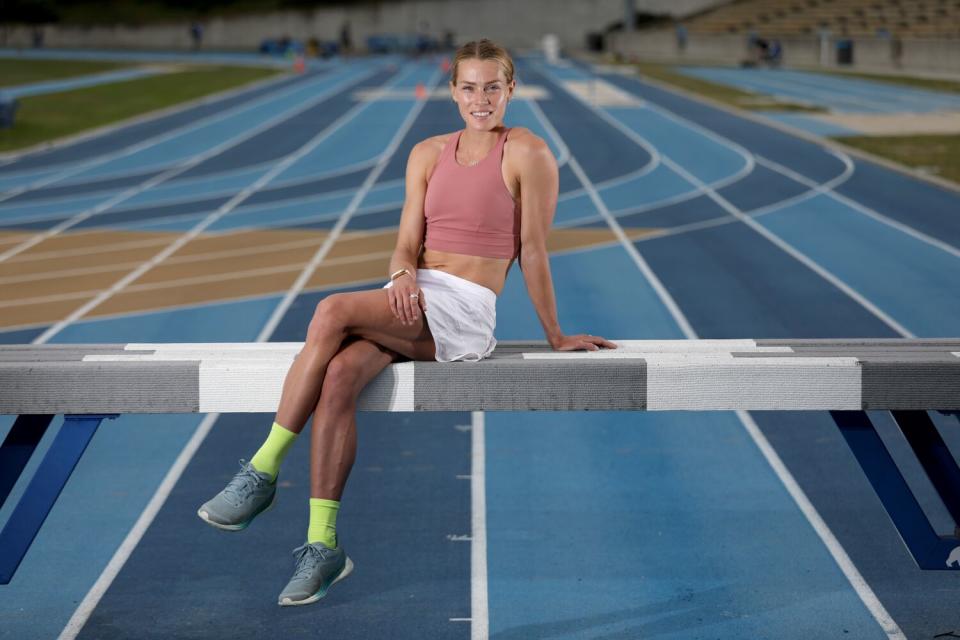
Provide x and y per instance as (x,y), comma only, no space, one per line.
(488,272)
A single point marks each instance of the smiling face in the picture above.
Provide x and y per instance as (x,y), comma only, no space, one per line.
(481,92)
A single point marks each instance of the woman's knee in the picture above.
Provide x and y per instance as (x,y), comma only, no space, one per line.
(329,317)
(343,379)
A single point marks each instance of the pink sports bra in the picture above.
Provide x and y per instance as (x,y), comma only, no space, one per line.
(469,210)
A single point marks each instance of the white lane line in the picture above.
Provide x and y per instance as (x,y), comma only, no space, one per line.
(652,151)
(798,255)
(719,221)
(865,210)
(288,161)
(836,550)
(793,175)
(479,603)
(776,240)
(621,236)
(93,597)
(155,140)
(856,579)
(337,230)
(816,189)
(187,185)
(183,191)
(130,542)
(180,168)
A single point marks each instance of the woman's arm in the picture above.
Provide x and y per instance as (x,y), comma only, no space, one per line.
(410,235)
(539,186)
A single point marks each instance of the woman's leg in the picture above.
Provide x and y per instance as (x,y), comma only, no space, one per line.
(365,314)
(322,561)
(333,446)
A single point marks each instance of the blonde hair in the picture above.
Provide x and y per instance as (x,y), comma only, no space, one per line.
(483,50)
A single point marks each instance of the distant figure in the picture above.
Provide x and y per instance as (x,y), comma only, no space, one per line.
(346,42)
(681,32)
(37,37)
(896,51)
(424,43)
(196,35)
(774,53)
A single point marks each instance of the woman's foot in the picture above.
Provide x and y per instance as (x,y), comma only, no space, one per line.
(249,494)
(318,568)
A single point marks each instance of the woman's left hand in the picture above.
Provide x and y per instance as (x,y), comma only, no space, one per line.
(583,341)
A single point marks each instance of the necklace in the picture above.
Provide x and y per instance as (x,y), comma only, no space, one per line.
(459,151)
(470,163)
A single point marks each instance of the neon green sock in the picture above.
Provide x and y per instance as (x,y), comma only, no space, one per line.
(268,457)
(323,522)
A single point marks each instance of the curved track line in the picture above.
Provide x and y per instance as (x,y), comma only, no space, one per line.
(773,238)
(816,189)
(863,209)
(828,146)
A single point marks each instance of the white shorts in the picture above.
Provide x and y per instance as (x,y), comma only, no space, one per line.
(461,315)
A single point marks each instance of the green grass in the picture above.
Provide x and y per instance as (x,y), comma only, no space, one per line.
(48,117)
(16,72)
(719,92)
(935,154)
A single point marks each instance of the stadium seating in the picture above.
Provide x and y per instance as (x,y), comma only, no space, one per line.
(849,18)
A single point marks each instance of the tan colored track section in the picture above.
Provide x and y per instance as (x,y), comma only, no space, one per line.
(8,239)
(47,282)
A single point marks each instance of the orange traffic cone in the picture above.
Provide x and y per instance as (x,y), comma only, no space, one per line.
(299,64)
(420,91)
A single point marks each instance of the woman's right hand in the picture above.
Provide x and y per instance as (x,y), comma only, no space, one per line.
(405,298)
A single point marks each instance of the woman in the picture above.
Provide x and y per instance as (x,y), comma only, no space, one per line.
(460,230)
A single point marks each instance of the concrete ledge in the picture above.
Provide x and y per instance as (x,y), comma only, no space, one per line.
(688,375)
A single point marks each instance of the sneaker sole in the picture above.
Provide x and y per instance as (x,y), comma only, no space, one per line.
(347,570)
(236,527)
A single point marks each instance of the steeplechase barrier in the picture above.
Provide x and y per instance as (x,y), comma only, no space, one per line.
(88,383)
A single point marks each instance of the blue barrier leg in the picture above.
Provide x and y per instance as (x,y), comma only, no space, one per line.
(38,498)
(929,550)
(17,448)
(934,456)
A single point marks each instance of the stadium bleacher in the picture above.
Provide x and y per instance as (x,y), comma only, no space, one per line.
(853,18)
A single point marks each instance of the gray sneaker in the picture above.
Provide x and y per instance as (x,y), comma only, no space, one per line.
(318,568)
(249,494)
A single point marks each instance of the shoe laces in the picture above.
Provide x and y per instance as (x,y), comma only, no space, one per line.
(243,484)
(308,557)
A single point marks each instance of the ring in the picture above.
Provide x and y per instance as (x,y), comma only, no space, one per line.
(414,296)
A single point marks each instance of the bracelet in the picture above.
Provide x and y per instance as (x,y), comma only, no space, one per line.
(399,272)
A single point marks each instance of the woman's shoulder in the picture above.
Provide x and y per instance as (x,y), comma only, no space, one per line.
(431,147)
(426,153)
(522,141)
(524,150)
